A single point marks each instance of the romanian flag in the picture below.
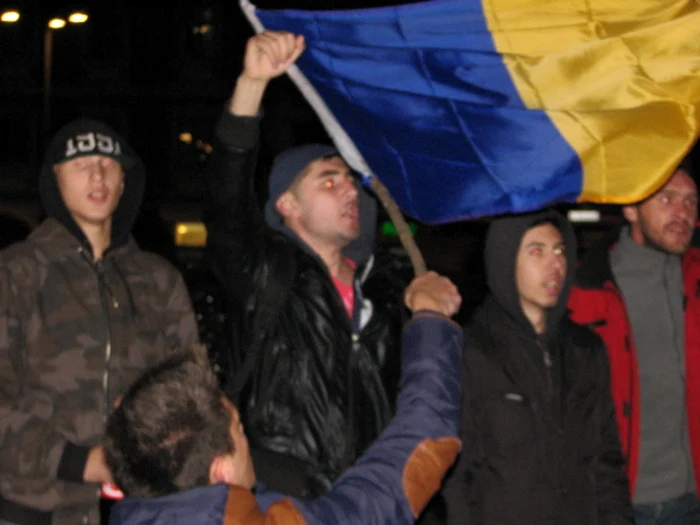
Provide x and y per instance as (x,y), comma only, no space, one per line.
(470,108)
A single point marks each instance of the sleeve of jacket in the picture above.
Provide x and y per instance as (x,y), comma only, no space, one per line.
(614,506)
(396,477)
(459,488)
(232,215)
(180,324)
(30,444)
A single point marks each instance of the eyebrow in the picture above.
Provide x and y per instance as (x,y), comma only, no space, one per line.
(540,244)
(332,171)
(678,192)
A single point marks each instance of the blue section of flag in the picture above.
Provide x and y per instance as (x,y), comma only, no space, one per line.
(426,98)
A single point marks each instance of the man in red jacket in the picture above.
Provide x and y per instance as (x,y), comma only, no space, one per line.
(640,290)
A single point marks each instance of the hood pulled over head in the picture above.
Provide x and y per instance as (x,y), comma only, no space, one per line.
(502,244)
(83,137)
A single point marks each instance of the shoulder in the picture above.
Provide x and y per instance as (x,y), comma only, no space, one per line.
(580,334)
(147,265)
(485,318)
(22,262)
(583,340)
(691,259)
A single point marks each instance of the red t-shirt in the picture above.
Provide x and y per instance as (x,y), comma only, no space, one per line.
(346,291)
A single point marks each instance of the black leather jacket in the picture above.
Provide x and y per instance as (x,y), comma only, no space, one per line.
(317,385)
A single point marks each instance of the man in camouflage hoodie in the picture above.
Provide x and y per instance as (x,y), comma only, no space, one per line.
(82,312)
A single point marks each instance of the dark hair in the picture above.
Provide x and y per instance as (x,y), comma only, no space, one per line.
(686,165)
(168,428)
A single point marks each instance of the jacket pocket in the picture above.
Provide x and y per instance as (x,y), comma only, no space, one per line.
(510,420)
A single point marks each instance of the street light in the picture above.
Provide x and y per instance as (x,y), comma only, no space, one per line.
(53,25)
(9,17)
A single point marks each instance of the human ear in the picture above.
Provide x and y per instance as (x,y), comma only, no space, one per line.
(286,204)
(631,213)
(221,470)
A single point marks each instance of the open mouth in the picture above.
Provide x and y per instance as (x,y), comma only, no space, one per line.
(98,196)
(553,287)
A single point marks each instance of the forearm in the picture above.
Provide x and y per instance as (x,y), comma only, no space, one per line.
(231,211)
(32,448)
(247,96)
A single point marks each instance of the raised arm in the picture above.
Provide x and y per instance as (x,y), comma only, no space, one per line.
(232,214)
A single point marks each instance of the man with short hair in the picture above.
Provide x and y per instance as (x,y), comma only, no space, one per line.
(538,423)
(315,320)
(82,312)
(177,448)
(639,290)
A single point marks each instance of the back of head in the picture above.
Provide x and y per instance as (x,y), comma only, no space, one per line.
(83,137)
(168,428)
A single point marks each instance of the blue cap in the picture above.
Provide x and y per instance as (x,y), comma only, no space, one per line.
(286,166)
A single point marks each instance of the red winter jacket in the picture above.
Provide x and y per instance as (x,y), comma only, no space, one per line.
(596,301)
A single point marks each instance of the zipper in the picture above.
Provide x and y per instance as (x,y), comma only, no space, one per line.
(350,416)
(547,358)
(98,266)
(547,361)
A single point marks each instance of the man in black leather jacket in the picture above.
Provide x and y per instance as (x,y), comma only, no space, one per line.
(319,325)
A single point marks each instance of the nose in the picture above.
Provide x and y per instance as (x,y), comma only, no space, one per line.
(557,261)
(684,209)
(97,172)
(351,187)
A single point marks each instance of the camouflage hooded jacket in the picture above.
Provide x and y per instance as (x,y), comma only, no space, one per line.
(74,333)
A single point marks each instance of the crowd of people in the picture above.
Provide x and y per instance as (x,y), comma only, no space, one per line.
(349,396)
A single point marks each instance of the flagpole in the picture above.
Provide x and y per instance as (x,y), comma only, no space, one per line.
(349,151)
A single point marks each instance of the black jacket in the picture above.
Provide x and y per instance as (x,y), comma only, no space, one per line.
(540,443)
(321,386)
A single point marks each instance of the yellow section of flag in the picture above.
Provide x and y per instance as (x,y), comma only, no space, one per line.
(619,80)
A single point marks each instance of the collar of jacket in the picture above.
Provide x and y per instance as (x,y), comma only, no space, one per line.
(58,243)
(190,506)
(595,270)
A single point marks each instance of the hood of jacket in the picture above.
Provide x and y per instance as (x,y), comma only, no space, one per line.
(127,210)
(500,254)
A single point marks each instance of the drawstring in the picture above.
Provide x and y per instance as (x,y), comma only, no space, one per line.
(132,303)
(103,282)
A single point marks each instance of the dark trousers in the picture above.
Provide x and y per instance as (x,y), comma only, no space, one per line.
(683,510)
